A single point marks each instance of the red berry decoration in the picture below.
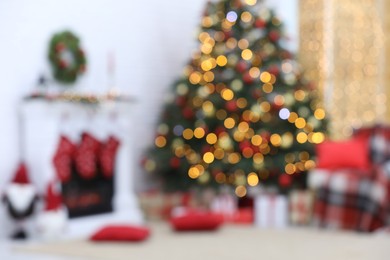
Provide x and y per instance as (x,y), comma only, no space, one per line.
(285,180)
(260,23)
(231,105)
(274,35)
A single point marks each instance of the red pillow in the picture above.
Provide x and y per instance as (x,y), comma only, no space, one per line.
(352,153)
(196,221)
(121,233)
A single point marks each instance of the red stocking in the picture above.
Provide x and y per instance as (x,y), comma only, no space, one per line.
(63,158)
(86,156)
(107,156)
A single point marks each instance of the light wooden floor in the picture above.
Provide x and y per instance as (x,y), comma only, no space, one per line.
(231,242)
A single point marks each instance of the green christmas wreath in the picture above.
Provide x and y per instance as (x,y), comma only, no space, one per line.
(66,57)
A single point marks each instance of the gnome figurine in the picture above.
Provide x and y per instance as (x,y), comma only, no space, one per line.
(52,221)
(20,198)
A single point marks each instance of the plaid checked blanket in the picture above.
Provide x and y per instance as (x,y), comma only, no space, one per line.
(351,199)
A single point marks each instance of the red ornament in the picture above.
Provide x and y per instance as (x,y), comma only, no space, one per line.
(274,70)
(188,113)
(247,78)
(231,105)
(284,180)
(220,130)
(180,101)
(274,35)
(244,144)
(256,93)
(260,23)
(174,162)
(228,34)
(242,66)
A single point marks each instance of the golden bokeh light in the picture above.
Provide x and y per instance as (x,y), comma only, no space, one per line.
(219,153)
(246,17)
(302,138)
(258,158)
(240,191)
(227,94)
(243,127)
(246,54)
(265,77)
(220,178)
(250,2)
(222,60)
(242,103)
(199,132)
(290,168)
(193,173)
(247,152)
(208,157)
(268,88)
(195,77)
(319,113)
(253,179)
(221,114)
(300,123)
(254,72)
(188,134)
(229,123)
(293,116)
(276,140)
(299,95)
(160,141)
(243,44)
(256,140)
(234,158)
(208,76)
(211,138)
(318,138)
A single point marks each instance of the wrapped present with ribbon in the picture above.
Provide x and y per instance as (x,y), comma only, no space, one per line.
(301,207)
(271,211)
(226,205)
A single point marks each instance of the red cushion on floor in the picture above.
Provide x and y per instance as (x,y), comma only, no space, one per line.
(353,153)
(196,221)
(121,233)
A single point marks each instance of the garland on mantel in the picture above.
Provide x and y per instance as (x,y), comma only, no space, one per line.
(80,98)
(66,57)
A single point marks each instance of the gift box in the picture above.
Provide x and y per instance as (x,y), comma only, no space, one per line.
(158,205)
(226,205)
(301,207)
(271,211)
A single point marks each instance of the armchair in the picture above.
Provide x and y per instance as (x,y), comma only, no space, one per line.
(352,183)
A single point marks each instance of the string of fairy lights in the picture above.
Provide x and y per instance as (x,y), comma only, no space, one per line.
(342,44)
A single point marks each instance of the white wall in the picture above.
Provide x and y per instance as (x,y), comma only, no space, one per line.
(151,41)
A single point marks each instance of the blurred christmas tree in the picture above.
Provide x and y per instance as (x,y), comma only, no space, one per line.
(241,114)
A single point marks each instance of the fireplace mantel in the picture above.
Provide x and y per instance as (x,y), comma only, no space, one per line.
(44,120)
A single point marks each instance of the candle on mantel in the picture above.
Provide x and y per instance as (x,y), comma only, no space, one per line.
(112,91)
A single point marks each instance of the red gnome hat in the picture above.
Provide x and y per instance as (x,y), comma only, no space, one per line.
(53,198)
(21,176)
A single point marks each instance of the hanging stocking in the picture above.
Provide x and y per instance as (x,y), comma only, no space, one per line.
(86,156)
(107,156)
(63,159)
